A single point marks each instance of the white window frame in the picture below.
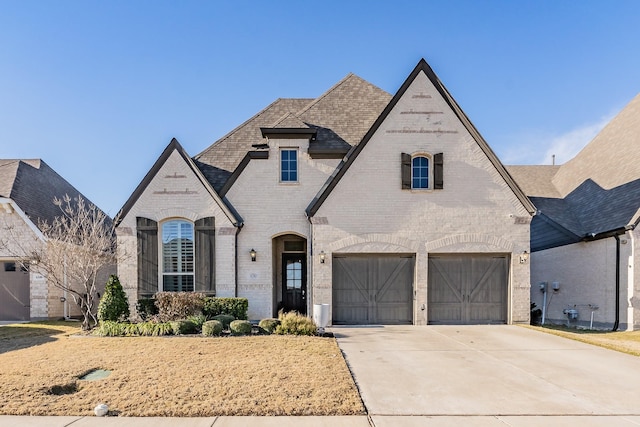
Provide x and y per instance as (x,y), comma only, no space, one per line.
(161,254)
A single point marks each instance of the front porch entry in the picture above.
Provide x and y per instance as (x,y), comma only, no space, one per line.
(290,273)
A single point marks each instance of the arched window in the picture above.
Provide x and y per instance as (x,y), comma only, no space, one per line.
(420,172)
(177,256)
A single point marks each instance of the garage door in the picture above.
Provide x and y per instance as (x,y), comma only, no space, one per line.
(14,292)
(467,289)
(373,289)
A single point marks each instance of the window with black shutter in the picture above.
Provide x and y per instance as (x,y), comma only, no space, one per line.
(406,171)
(438,171)
(147,232)
(205,255)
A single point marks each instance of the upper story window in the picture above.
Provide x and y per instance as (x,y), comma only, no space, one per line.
(420,172)
(177,256)
(289,165)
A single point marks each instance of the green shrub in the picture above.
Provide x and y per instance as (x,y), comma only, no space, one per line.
(178,305)
(109,328)
(269,325)
(152,329)
(198,320)
(293,323)
(182,327)
(211,328)
(146,308)
(236,307)
(225,319)
(114,305)
(240,327)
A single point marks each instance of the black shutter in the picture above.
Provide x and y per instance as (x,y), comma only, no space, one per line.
(406,171)
(438,172)
(147,230)
(205,255)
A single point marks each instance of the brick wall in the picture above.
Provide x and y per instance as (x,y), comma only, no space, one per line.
(475,212)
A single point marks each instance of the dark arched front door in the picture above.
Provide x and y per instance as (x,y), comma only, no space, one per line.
(294,282)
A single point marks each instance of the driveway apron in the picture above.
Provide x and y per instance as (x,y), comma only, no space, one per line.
(486,370)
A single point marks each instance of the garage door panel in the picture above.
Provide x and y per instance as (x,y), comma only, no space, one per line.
(467,289)
(14,292)
(373,288)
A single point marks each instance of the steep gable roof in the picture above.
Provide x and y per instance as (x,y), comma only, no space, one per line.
(33,185)
(536,180)
(421,67)
(174,145)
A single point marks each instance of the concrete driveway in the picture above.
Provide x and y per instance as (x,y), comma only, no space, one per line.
(504,371)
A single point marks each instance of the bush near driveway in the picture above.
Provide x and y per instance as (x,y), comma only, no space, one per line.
(177,376)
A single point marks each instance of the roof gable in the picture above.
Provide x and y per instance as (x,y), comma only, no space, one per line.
(421,67)
(174,146)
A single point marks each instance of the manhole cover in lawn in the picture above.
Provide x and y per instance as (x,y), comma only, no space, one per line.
(96,374)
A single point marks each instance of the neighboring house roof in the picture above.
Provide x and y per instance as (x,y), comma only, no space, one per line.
(174,145)
(353,154)
(594,194)
(32,185)
(339,117)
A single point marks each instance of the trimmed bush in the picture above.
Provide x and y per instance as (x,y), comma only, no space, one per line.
(240,327)
(236,307)
(114,305)
(211,328)
(197,320)
(178,305)
(182,327)
(146,308)
(225,319)
(269,325)
(294,323)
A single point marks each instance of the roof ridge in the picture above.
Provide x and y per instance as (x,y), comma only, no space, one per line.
(327,92)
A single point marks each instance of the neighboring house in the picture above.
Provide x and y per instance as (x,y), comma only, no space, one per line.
(391,209)
(584,237)
(27,190)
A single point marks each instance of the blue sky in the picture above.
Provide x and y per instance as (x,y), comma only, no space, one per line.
(98,89)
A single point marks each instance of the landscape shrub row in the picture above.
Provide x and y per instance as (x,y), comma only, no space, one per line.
(169,306)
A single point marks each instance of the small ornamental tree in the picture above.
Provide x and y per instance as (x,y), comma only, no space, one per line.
(114,304)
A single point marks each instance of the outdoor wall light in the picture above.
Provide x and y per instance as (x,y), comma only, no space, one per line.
(322,257)
(252,252)
(524,257)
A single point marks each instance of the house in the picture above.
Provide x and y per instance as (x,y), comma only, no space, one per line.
(27,190)
(584,239)
(390,209)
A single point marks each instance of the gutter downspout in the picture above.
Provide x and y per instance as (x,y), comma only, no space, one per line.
(238,228)
(310,258)
(617,321)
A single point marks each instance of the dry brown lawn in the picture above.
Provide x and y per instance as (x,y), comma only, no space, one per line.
(171,376)
(626,342)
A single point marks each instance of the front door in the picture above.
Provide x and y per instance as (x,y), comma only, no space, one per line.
(294,283)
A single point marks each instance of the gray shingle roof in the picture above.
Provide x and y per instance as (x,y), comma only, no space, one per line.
(341,116)
(32,185)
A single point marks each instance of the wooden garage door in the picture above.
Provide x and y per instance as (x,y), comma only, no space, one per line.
(467,289)
(373,289)
(14,292)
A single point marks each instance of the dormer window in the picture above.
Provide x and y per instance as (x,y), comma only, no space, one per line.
(288,165)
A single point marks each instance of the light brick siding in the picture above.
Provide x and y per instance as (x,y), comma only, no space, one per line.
(270,209)
(586,273)
(176,192)
(476,211)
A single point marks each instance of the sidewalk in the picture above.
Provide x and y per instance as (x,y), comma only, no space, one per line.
(347,421)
